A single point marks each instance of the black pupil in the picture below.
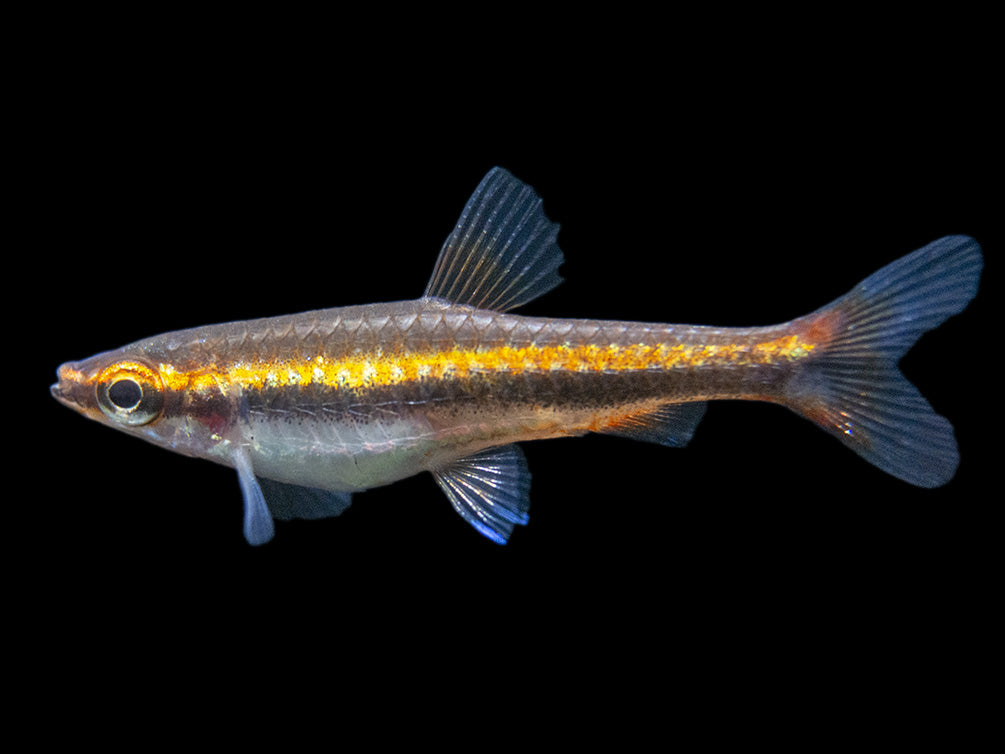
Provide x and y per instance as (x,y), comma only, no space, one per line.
(125,394)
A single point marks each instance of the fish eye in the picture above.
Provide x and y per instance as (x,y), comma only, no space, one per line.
(130,393)
(125,394)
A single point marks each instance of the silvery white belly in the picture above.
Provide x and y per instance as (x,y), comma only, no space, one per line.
(344,456)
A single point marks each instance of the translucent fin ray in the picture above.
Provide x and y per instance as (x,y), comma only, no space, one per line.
(852,387)
(489,489)
(893,307)
(502,252)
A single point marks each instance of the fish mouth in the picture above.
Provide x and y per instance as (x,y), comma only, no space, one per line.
(59,394)
(67,389)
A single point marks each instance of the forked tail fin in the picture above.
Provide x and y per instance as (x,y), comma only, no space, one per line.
(851,385)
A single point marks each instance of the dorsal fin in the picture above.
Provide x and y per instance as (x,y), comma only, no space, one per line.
(502,252)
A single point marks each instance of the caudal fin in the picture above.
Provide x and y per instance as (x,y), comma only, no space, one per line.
(851,385)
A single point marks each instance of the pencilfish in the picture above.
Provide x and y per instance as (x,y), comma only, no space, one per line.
(310,408)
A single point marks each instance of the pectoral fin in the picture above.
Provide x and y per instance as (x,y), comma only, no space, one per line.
(265,499)
(258,528)
(490,490)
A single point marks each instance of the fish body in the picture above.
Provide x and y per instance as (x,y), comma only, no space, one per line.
(310,408)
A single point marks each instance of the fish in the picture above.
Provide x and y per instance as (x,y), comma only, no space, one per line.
(311,408)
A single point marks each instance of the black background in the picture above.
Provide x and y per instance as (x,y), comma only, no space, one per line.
(182,188)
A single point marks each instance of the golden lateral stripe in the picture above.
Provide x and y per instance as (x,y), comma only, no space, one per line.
(373,370)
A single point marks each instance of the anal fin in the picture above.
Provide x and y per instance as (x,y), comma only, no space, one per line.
(672,424)
(489,489)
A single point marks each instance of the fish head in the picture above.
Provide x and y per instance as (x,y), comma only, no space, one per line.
(116,388)
(129,391)
(126,390)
